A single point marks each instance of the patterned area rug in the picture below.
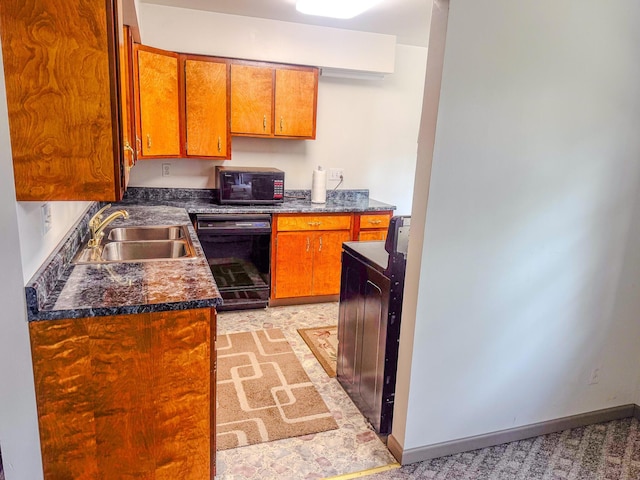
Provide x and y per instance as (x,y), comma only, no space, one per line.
(323,342)
(603,451)
(264,393)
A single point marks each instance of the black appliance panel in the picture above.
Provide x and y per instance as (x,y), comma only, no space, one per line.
(238,250)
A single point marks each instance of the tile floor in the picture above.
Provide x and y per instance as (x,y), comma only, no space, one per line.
(354,447)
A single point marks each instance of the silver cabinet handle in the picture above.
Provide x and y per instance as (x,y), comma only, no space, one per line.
(219,145)
(308,244)
(320,249)
(148,141)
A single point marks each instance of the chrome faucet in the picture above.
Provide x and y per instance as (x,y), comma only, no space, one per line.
(97,224)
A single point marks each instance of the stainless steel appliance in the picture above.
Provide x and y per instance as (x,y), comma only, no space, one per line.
(371,291)
(238,249)
(249,185)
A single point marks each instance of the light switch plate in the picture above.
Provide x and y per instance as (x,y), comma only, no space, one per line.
(45,217)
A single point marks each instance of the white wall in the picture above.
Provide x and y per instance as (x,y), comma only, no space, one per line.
(18,419)
(530,267)
(367,127)
(208,33)
(34,243)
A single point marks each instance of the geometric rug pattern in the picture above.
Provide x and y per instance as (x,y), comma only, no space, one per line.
(263,393)
(323,343)
(604,451)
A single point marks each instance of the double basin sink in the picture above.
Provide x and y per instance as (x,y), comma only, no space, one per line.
(139,244)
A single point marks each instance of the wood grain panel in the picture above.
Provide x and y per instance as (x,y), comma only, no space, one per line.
(295,103)
(61,85)
(63,382)
(206,101)
(126,396)
(313,222)
(369,235)
(293,264)
(251,100)
(159,102)
(182,374)
(327,262)
(122,380)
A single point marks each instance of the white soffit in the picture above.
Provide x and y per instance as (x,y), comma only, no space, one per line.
(210,33)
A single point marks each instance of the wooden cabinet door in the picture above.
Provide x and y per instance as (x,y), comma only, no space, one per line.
(295,103)
(206,105)
(159,102)
(293,264)
(327,261)
(251,100)
(61,73)
(126,101)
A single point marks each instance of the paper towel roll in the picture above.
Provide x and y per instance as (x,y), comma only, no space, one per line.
(319,186)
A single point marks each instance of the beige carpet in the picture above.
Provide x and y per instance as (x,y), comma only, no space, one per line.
(264,393)
(323,343)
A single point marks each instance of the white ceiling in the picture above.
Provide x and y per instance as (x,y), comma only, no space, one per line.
(408,20)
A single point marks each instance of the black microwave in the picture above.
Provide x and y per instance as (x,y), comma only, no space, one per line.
(249,185)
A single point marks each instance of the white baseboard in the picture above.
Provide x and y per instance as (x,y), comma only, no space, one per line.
(428,452)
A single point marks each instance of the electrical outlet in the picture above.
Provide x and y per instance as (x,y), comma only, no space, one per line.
(336,174)
(595,376)
(166,169)
(45,217)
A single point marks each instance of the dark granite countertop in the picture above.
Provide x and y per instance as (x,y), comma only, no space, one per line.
(61,289)
(295,201)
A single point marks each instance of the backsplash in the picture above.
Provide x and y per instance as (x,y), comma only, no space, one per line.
(156,193)
(44,280)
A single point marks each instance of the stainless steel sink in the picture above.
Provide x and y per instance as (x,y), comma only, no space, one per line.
(169,232)
(140,244)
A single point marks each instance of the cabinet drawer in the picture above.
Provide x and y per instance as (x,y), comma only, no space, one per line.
(374,221)
(313,222)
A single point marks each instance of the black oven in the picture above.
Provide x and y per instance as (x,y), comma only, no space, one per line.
(238,249)
(249,185)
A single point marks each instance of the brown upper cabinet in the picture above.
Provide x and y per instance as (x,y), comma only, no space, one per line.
(273,100)
(183,105)
(206,93)
(158,95)
(64,98)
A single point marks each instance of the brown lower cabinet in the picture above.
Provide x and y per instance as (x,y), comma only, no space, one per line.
(307,249)
(128,396)
(306,261)
(371,226)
